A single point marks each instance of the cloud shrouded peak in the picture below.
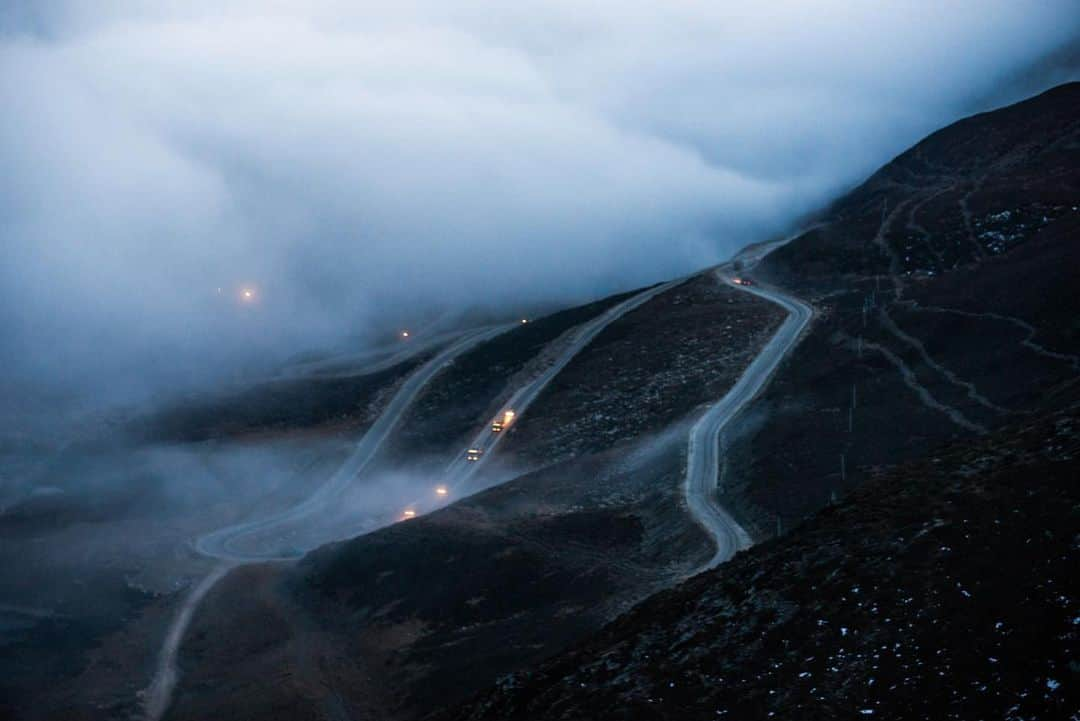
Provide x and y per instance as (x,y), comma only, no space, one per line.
(361,164)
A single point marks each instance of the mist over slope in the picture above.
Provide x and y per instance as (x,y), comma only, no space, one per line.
(356,164)
(962,334)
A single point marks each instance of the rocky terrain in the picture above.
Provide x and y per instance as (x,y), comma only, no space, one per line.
(974,190)
(472,390)
(930,580)
(435,608)
(930,328)
(942,588)
(913,462)
(647,371)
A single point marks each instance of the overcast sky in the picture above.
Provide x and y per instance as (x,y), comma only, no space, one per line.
(362,165)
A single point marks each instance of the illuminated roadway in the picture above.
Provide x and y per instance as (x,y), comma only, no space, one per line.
(700,482)
(220,544)
(460,470)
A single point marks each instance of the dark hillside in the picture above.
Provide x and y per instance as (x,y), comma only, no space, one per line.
(435,608)
(973,190)
(946,289)
(468,392)
(944,588)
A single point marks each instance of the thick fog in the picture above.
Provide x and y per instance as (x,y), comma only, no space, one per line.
(365,166)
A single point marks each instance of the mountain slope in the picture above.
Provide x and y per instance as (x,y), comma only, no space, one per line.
(941,587)
(946,291)
(905,354)
(970,191)
(589,521)
(945,588)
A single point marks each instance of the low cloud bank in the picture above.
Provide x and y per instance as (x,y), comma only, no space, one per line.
(360,166)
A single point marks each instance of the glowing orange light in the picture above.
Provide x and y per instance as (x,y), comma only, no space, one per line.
(442,490)
(409,513)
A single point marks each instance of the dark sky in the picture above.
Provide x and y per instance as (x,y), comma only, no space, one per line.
(363,165)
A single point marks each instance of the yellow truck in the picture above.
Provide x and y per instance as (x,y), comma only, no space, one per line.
(502,422)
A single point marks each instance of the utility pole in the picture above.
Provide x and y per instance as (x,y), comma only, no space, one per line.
(851,408)
(723,462)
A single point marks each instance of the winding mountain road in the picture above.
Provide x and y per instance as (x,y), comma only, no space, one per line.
(159,694)
(220,544)
(700,483)
(703,454)
(460,470)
